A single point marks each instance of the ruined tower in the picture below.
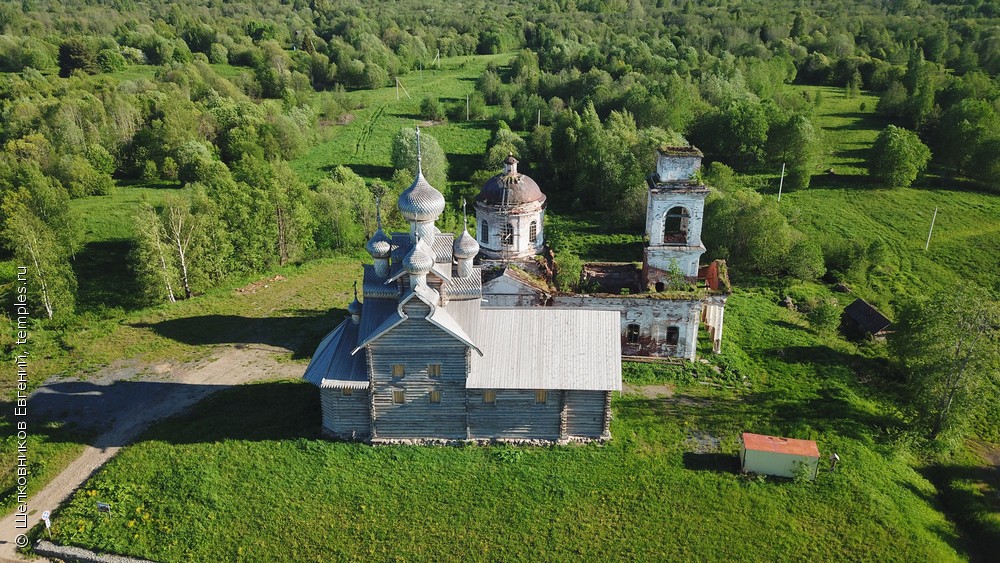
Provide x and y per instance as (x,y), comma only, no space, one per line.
(674,213)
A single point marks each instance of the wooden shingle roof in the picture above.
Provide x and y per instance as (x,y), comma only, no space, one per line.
(867,318)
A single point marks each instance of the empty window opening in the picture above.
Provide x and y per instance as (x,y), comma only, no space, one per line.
(434,370)
(673,335)
(533,232)
(489,397)
(347,392)
(398,370)
(398,396)
(541,396)
(507,235)
(484,232)
(675,226)
(632,334)
(435,397)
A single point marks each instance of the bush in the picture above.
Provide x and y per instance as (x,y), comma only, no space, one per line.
(568,269)
(110,60)
(432,109)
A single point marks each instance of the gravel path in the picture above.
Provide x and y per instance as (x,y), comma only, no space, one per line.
(123,400)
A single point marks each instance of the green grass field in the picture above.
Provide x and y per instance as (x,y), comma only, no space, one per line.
(364,142)
(245,477)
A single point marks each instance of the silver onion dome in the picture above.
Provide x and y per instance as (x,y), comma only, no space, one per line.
(379,246)
(465,246)
(418,261)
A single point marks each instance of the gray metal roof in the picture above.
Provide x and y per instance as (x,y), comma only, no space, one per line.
(547,348)
(333,365)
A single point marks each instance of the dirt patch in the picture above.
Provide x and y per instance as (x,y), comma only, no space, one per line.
(650,391)
(431,123)
(119,402)
(260,284)
(989,452)
(701,442)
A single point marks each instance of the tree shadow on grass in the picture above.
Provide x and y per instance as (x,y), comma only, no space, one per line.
(115,414)
(364,170)
(972,512)
(103,279)
(300,334)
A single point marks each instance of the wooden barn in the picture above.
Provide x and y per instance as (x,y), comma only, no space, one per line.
(782,457)
(421,361)
(862,320)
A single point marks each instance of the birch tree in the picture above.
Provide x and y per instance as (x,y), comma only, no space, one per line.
(151,257)
(181,226)
(37,246)
(950,347)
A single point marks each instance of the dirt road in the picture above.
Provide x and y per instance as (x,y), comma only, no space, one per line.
(123,400)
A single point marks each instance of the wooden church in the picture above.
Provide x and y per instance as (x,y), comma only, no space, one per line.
(420,360)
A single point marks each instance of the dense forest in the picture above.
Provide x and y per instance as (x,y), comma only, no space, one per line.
(216,97)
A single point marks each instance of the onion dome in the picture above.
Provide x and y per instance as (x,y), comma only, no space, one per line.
(510,187)
(421,202)
(379,246)
(354,308)
(465,246)
(418,261)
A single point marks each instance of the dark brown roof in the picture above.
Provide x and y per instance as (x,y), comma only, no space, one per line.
(866,317)
(510,189)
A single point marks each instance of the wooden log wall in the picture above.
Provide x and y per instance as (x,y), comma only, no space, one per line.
(346,417)
(585,413)
(515,415)
(416,343)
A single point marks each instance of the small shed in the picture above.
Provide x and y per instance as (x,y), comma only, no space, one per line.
(771,455)
(860,319)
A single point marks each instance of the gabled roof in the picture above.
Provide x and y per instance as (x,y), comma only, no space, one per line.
(438,316)
(867,318)
(774,444)
(545,348)
(526,284)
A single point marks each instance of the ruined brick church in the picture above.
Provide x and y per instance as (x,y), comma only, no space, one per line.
(662,304)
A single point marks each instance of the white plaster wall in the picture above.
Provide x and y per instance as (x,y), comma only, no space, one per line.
(688,258)
(521,222)
(670,168)
(662,201)
(654,317)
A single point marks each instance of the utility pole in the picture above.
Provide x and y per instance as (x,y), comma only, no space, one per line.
(781,182)
(934,218)
(466,107)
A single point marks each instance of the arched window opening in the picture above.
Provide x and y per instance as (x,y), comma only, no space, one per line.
(507,235)
(675,226)
(632,333)
(673,335)
(484,232)
(533,232)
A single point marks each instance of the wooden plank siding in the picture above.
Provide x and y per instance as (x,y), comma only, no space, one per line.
(585,413)
(345,417)
(515,415)
(416,343)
